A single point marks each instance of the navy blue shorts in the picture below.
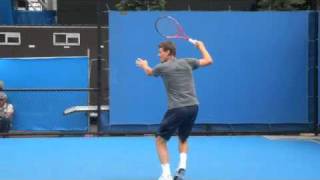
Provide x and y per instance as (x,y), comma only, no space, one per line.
(179,120)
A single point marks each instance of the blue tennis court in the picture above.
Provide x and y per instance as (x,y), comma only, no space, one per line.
(134,158)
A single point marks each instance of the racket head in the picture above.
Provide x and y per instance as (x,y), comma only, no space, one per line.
(170,28)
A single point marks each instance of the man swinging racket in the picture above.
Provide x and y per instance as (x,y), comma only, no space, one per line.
(182,101)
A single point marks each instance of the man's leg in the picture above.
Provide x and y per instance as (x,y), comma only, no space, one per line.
(162,150)
(163,154)
(168,127)
(183,150)
(4,125)
(185,128)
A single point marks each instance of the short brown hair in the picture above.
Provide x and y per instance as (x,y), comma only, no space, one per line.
(168,46)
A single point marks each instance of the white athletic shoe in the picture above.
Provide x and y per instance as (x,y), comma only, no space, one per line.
(165,178)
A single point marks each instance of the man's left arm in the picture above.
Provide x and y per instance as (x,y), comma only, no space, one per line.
(143,64)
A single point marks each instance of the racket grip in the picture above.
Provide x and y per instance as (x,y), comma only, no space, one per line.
(193,41)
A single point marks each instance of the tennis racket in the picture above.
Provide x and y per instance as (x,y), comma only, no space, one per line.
(170,28)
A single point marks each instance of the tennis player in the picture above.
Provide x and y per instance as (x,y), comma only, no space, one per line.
(182,101)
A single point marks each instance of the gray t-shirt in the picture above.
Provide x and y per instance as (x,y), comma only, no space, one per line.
(178,80)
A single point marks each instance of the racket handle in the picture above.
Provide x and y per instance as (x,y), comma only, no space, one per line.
(193,41)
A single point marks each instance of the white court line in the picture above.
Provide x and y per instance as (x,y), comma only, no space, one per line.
(315,139)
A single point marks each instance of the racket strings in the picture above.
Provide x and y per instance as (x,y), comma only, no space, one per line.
(167,27)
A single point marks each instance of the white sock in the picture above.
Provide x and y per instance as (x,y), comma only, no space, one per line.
(183,161)
(166,169)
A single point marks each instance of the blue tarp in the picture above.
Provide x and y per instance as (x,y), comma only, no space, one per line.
(44,110)
(259,74)
(35,18)
(6,12)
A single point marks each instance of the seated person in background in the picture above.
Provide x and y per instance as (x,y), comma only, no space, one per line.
(6,113)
